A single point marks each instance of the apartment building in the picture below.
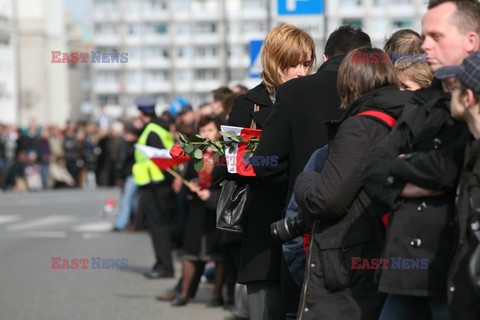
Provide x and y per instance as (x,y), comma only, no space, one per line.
(8,63)
(189,47)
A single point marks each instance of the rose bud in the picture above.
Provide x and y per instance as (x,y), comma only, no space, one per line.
(177,152)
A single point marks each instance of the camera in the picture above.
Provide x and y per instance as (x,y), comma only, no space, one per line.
(287,229)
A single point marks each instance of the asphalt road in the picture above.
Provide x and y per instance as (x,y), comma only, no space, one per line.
(34,227)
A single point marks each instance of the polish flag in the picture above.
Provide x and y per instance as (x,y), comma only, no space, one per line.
(235,159)
(161,157)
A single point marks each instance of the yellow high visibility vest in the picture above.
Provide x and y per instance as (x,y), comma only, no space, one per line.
(144,171)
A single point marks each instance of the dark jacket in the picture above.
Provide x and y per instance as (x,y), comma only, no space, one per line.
(295,128)
(419,228)
(346,219)
(261,256)
(463,296)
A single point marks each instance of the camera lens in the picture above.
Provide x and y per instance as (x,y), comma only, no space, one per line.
(286,229)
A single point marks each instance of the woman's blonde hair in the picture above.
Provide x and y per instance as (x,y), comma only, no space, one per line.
(416,71)
(361,71)
(284,47)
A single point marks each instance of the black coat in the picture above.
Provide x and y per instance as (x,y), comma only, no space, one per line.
(464,300)
(419,228)
(295,128)
(261,256)
(346,219)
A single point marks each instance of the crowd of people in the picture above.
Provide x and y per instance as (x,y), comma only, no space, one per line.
(377,177)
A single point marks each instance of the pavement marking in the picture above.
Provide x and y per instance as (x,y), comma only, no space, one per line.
(9,218)
(41,222)
(44,234)
(91,235)
(94,227)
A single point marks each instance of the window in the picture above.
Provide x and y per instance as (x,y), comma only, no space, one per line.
(156,52)
(206,52)
(353,22)
(206,74)
(182,5)
(184,75)
(254,4)
(157,76)
(237,74)
(134,29)
(401,2)
(134,78)
(105,28)
(156,28)
(184,52)
(350,3)
(402,24)
(183,29)
(255,27)
(106,77)
(378,3)
(205,28)
(134,54)
(105,5)
(132,6)
(156,5)
(107,100)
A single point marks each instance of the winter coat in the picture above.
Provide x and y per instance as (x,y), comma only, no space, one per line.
(463,296)
(421,228)
(347,223)
(260,256)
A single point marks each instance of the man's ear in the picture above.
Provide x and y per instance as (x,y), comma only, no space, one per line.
(472,42)
(325,58)
(469,99)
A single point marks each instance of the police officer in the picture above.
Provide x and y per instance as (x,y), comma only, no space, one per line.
(463,278)
(154,187)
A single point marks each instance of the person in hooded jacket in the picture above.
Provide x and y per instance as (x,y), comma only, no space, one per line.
(346,224)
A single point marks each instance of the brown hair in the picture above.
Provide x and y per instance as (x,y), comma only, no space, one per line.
(220,93)
(463,90)
(403,42)
(228,102)
(418,72)
(358,77)
(205,120)
(467,16)
(285,46)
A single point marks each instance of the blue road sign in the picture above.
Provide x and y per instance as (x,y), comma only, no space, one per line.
(298,7)
(255,61)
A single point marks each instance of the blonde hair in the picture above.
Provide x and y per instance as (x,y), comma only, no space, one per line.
(416,71)
(284,47)
(357,77)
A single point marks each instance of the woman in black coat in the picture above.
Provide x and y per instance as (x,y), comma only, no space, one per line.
(347,225)
(287,53)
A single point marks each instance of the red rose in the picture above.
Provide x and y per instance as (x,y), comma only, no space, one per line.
(177,152)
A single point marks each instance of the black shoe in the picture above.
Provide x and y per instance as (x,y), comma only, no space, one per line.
(158,274)
(179,302)
(215,302)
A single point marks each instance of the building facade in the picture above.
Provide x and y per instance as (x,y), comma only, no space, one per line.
(190,47)
(8,63)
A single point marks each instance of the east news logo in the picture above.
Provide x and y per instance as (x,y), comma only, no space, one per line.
(392,263)
(93,263)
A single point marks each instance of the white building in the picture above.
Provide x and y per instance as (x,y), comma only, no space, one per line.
(190,47)
(43,84)
(8,63)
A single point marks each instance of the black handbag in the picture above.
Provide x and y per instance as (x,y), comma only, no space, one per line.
(234,200)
